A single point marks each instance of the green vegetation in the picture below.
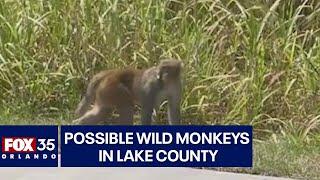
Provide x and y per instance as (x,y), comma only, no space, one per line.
(288,157)
(246,62)
(283,156)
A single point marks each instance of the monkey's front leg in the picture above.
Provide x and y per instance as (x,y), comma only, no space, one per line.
(174,99)
(147,109)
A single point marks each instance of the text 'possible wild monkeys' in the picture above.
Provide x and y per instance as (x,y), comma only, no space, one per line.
(122,89)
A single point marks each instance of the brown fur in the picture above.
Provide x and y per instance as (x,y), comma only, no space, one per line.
(122,89)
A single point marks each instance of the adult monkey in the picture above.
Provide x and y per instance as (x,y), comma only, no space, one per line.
(122,89)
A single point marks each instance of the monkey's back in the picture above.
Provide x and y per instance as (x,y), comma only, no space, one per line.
(118,87)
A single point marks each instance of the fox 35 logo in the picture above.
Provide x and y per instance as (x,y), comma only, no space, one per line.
(27,148)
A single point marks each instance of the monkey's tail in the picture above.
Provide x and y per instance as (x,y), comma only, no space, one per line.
(89,97)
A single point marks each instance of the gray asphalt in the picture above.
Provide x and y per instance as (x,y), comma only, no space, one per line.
(123,174)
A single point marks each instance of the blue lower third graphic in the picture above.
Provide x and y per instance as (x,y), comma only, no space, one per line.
(156,146)
(29,146)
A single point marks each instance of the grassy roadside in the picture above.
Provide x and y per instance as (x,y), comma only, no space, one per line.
(289,157)
(284,157)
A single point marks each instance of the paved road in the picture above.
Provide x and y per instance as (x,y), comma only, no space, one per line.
(123,174)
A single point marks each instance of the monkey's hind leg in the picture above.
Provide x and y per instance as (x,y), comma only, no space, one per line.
(83,106)
(94,116)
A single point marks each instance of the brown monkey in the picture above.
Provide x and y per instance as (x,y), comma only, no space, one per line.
(122,89)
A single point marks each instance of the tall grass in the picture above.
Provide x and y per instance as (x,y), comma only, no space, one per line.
(246,62)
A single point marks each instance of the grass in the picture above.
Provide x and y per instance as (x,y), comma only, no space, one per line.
(285,157)
(290,158)
(246,62)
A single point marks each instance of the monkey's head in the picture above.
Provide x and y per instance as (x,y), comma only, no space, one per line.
(169,70)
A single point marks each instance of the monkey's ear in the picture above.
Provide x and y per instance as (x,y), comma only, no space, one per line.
(158,73)
(161,73)
(181,64)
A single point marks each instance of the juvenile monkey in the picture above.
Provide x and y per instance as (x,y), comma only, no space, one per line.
(122,89)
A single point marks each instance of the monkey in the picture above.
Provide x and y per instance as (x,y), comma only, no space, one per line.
(122,89)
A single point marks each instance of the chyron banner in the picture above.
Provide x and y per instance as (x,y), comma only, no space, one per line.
(156,146)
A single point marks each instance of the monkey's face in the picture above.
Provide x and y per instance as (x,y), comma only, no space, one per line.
(170,70)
